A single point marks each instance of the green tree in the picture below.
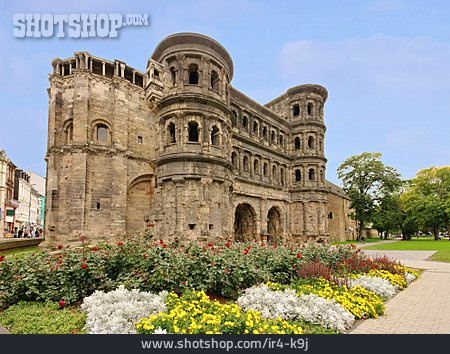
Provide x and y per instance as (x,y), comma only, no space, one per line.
(366,181)
(387,214)
(429,198)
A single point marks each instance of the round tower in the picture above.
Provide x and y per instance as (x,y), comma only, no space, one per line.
(187,86)
(306,104)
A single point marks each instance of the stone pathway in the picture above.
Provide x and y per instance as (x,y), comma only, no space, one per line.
(3,330)
(423,307)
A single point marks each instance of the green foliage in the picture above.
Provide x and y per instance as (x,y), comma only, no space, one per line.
(428,198)
(42,318)
(367,180)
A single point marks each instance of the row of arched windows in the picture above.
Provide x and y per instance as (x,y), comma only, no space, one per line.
(253,128)
(310,143)
(100,133)
(296,109)
(311,175)
(277,173)
(194,77)
(193,133)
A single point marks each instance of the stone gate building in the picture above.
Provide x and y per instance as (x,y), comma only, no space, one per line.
(178,150)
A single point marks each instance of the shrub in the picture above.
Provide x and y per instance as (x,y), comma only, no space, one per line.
(42,318)
(117,311)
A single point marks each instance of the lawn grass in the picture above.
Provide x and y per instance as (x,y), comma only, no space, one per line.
(20,252)
(348,242)
(442,247)
(42,318)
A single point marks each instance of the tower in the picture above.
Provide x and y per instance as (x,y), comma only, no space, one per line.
(188,82)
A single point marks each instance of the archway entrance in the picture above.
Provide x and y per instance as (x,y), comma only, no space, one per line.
(139,204)
(274,224)
(244,223)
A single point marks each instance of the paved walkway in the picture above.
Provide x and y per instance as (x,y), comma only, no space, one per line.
(423,307)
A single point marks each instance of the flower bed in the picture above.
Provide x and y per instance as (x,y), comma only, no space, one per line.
(307,285)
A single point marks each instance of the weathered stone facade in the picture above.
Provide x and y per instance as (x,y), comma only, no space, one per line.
(178,150)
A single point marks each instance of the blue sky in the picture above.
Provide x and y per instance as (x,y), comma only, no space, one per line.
(385,63)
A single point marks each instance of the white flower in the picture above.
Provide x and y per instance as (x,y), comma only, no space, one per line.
(116,312)
(379,286)
(287,305)
(159,330)
(409,277)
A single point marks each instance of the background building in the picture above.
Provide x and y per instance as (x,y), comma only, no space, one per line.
(179,150)
(8,203)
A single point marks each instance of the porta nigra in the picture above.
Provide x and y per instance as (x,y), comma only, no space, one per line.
(178,150)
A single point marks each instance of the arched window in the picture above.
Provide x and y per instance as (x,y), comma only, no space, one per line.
(296,110)
(102,133)
(246,165)
(215,135)
(193,74)
(265,132)
(320,144)
(234,159)
(265,169)
(171,136)
(330,215)
(310,108)
(69,133)
(282,176)
(255,127)
(281,140)
(233,118)
(274,173)
(297,144)
(298,175)
(215,81)
(312,174)
(193,131)
(245,123)
(256,167)
(272,137)
(173,76)
(311,142)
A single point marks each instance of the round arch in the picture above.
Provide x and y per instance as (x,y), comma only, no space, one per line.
(244,222)
(274,224)
(139,203)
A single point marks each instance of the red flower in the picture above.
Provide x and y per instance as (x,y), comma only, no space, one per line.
(163,245)
(183,283)
(227,245)
(274,245)
(2,258)
(210,244)
(246,251)
(60,246)
(84,266)
(298,255)
(293,266)
(61,304)
(120,243)
(145,255)
(94,248)
(161,242)
(212,248)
